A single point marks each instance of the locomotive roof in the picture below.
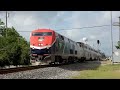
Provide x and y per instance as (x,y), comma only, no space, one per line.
(42,30)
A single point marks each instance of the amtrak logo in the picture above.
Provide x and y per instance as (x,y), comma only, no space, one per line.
(40,38)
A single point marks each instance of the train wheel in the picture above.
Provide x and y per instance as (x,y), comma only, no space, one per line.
(69,60)
(90,59)
(56,59)
(66,61)
(73,59)
(82,59)
(60,60)
(76,59)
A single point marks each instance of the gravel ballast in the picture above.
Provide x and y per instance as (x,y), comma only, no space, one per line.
(59,72)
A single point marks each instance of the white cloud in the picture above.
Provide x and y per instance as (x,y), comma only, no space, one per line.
(59,14)
(31,20)
(81,19)
(92,37)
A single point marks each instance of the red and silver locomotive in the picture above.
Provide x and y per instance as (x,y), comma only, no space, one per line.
(48,46)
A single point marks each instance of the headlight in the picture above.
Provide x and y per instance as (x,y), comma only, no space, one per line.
(40,44)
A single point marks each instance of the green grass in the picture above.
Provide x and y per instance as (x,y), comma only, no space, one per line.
(102,72)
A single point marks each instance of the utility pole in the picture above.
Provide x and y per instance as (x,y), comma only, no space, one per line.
(6,23)
(111,38)
(119,28)
(118,24)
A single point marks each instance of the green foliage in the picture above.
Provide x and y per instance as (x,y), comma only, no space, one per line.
(102,72)
(1,22)
(14,49)
(118,47)
(16,56)
(25,51)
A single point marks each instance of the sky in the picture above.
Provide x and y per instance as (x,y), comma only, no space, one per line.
(26,21)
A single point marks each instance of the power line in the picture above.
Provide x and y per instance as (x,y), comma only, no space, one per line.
(119,28)
(73,28)
(84,27)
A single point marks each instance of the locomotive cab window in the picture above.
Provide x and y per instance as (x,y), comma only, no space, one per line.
(80,45)
(62,37)
(42,34)
(69,40)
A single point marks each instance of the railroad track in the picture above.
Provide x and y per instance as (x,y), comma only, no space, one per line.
(18,69)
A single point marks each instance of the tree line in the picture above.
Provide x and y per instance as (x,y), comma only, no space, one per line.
(14,49)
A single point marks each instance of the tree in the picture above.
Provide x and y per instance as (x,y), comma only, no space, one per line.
(16,55)
(25,58)
(118,47)
(14,49)
(2,28)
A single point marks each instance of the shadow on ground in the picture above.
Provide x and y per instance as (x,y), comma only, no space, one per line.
(88,65)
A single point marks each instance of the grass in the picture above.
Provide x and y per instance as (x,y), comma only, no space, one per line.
(102,72)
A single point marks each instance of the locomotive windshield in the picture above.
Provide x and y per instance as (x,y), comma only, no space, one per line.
(42,34)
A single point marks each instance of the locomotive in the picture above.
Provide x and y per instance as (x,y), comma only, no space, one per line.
(50,47)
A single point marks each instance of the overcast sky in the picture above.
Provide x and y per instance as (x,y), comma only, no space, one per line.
(31,20)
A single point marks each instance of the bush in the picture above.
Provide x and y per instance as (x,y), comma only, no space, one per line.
(14,49)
